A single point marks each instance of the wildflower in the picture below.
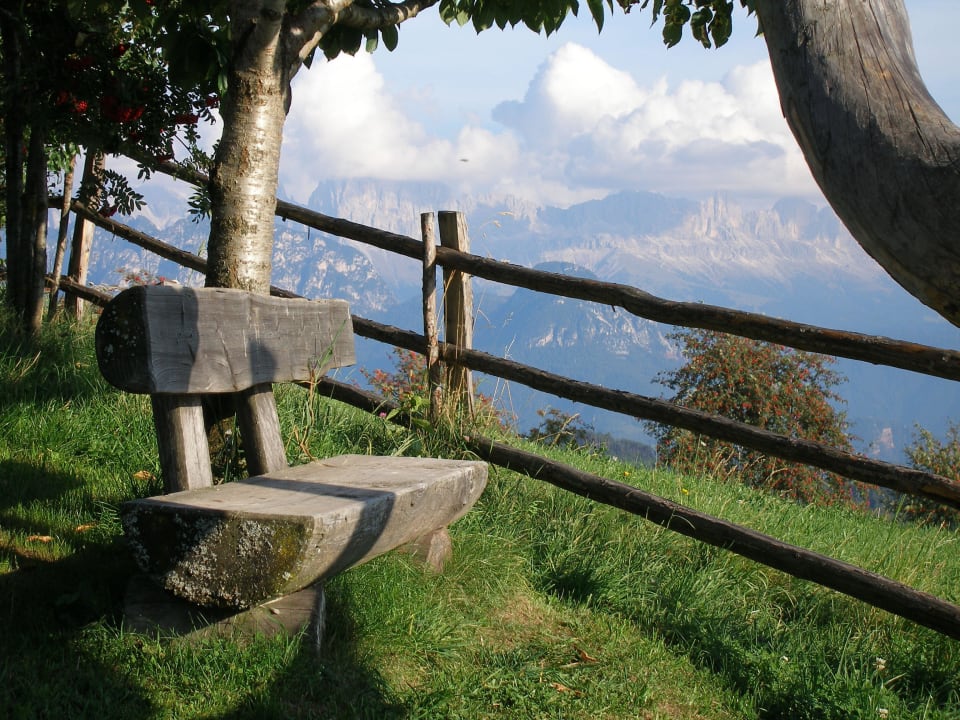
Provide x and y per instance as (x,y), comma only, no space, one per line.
(880,664)
(883,712)
(684,491)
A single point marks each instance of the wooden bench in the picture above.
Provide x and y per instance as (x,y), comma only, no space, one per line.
(239,544)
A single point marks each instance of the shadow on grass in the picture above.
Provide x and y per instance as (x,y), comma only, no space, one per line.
(336,684)
(45,668)
(22,483)
(62,653)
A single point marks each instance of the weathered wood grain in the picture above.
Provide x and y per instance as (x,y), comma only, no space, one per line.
(458,310)
(260,430)
(878,145)
(181,442)
(242,543)
(182,340)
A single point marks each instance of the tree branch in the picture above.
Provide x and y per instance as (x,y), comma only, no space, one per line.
(304,31)
(364,17)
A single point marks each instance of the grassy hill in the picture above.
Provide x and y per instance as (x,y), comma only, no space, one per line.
(552,608)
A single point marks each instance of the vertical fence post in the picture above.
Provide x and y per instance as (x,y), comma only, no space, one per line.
(83,235)
(434,379)
(457,310)
(61,236)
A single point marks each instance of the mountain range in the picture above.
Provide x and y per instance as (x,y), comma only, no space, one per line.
(793,260)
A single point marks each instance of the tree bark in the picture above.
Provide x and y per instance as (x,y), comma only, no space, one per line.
(33,236)
(243,183)
(13,126)
(881,149)
(270,44)
(62,232)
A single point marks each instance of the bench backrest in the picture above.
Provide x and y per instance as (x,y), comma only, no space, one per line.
(178,344)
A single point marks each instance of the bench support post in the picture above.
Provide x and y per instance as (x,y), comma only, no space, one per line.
(260,430)
(182,442)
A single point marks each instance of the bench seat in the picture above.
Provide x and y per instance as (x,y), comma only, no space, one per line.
(242,543)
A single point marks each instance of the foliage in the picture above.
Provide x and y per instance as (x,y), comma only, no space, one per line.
(107,75)
(782,390)
(942,457)
(710,21)
(407,386)
(97,75)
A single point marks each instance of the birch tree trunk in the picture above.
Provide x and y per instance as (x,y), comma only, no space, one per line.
(62,233)
(270,44)
(884,153)
(243,183)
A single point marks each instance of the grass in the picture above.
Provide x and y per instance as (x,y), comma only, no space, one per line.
(553,607)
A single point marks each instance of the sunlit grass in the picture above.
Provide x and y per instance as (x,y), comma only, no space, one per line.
(552,607)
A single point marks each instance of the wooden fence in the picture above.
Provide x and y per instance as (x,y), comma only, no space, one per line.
(459,357)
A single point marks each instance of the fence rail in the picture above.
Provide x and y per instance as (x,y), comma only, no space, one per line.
(856,467)
(864,585)
(879,350)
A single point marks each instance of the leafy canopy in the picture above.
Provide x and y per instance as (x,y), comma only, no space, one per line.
(710,21)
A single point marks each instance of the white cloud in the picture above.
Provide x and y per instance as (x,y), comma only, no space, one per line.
(583,129)
(344,123)
(606,132)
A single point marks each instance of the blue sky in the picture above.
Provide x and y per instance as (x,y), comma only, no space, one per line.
(567,118)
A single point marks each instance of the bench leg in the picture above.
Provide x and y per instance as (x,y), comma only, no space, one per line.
(432,549)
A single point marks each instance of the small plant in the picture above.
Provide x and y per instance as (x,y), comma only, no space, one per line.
(562,429)
(130,277)
(408,388)
(942,457)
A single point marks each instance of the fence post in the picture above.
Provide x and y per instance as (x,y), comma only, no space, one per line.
(457,310)
(82,235)
(434,378)
(62,232)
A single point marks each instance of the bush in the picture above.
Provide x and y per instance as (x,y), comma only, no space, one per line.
(942,457)
(770,386)
(408,387)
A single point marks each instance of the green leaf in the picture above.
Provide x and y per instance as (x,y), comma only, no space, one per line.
(391,36)
(720,29)
(672,32)
(698,25)
(597,11)
(485,18)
